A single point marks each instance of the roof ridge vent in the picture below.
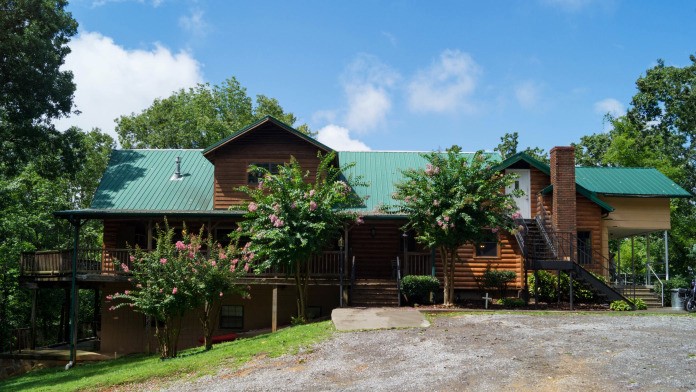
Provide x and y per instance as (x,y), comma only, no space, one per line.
(177,171)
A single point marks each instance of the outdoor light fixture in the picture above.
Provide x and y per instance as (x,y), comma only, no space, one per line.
(373,232)
(340,242)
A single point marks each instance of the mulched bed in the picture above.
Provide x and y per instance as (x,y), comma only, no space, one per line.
(479,305)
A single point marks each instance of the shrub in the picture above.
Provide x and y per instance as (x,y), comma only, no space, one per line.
(548,288)
(620,306)
(511,302)
(497,279)
(676,282)
(417,288)
(640,304)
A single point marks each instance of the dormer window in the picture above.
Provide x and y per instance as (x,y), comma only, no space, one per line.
(272,168)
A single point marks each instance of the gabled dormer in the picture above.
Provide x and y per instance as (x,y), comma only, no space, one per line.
(268,143)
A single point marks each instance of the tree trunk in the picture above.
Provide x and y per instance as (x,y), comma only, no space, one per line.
(301,281)
(446,276)
(209,317)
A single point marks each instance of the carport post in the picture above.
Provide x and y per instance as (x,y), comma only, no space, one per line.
(666,256)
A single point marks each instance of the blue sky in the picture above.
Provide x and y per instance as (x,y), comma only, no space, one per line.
(387,75)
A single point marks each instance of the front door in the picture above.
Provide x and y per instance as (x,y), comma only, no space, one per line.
(522,182)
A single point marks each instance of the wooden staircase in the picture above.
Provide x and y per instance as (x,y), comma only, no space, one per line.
(372,293)
(650,298)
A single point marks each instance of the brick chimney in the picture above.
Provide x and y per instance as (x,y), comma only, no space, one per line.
(563,181)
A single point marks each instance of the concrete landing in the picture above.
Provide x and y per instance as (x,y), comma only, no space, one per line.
(351,319)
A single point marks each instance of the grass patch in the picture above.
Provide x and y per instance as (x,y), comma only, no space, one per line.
(190,363)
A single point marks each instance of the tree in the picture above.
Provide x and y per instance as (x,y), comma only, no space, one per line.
(455,201)
(33,89)
(178,277)
(290,219)
(508,147)
(197,117)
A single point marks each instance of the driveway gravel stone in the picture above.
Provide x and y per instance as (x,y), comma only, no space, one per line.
(485,352)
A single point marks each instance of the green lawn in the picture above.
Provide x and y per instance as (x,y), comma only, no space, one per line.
(190,363)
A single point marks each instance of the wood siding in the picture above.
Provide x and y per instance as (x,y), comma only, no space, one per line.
(265,144)
(589,218)
(636,213)
(538,181)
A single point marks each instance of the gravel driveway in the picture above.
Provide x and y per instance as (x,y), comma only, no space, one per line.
(486,352)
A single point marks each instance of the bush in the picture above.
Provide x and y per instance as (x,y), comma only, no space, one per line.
(548,288)
(511,302)
(497,279)
(640,304)
(676,282)
(417,288)
(620,306)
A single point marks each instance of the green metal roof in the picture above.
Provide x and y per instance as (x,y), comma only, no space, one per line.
(381,170)
(623,181)
(140,180)
(267,119)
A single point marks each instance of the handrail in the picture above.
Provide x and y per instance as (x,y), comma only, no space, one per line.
(352,280)
(519,234)
(662,286)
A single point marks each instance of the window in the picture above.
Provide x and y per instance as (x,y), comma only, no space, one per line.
(232,317)
(488,247)
(272,168)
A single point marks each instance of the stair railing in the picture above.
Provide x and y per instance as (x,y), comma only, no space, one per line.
(520,234)
(662,286)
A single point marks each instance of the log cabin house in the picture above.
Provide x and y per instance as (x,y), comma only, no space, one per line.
(568,214)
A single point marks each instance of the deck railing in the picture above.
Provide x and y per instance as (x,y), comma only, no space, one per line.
(417,263)
(108,262)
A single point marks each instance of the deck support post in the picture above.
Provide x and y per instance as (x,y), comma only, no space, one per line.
(633,265)
(32,341)
(570,279)
(274,310)
(76,223)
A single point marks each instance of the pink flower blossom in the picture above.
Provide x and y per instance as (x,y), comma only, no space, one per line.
(273,218)
(246,267)
(278,223)
(180,246)
(312,205)
(436,203)
(124,267)
(127,292)
(163,261)
(131,305)
(175,290)
(260,186)
(359,220)
(139,286)
(235,261)
(132,258)
(293,205)
(222,256)
(311,193)
(253,207)
(232,268)
(221,294)
(276,207)
(495,229)
(446,218)
(516,215)
(109,297)
(213,263)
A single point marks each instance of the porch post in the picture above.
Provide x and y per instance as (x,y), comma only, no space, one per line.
(666,256)
(648,276)
(76,223)
(618,263)
(432,262)
(633,265)
(274,310)
(32,342)
(149,234)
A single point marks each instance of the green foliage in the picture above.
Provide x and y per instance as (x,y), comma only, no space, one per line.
(675,282)
(512,302)
(548,288)
(496,279)
(135,369)
(639,304)
(417,288)
(508,147)
(179,277)
(620,306)
(289,219)
(34,89)
(198,117)
(451,200)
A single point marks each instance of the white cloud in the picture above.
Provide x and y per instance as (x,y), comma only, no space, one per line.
(194,23)
(446,85)
(611,106)
(99,3)
(339,139)
(113,81)
(527,94)
(367,83)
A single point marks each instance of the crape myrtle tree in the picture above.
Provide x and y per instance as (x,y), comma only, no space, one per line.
(453,201)
(289,219)
(178,277)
